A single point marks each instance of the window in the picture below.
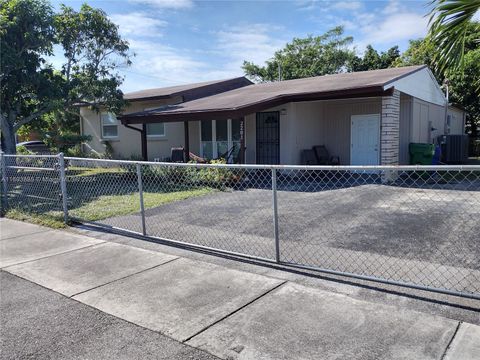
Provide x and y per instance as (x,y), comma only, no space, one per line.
(109,125)
(156,130)
(220,139)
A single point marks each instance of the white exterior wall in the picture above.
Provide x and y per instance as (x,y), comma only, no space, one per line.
(417,118)
(457,121)
(425,117)
(421,85)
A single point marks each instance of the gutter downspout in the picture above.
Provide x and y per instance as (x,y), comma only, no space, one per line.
(445,125)
(82,145)
(143,138)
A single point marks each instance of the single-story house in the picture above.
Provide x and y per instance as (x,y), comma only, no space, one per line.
(363,118)
(103,127)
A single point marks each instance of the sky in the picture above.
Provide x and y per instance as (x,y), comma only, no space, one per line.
(183,41)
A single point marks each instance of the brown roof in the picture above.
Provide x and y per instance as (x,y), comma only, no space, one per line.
(189,91)
(257,97)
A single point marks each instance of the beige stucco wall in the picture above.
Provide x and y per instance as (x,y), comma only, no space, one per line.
(250,139)
(128,144)
(305,124)
(302,125)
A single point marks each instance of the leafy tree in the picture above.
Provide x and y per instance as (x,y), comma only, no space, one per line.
(60,130)
(450,21)
(419,52)
(30,87)
(462,81)
(372,60)
(464,89)
(311,56)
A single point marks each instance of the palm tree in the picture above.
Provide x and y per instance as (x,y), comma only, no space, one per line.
(449,20)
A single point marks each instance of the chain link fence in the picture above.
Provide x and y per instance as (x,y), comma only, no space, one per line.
(407,225)
(31,185)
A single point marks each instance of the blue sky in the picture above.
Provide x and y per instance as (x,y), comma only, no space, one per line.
(182,41)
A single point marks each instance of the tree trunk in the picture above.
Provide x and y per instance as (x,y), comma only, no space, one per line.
(9,145)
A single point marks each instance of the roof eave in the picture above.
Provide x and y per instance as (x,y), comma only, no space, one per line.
(232,113)
(150,98)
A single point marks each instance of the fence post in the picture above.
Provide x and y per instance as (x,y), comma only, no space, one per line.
(275,215)
(63,186)
(140,192)
(4,199)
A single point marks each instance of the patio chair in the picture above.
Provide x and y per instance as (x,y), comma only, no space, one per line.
(308,157)
(323,156)
(177,154)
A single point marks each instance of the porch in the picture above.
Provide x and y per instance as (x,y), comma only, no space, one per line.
(362,130)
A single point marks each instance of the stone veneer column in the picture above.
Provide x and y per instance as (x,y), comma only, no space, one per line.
(390,129)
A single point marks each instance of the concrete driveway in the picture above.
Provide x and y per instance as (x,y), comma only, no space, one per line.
(425,236)
(229,313)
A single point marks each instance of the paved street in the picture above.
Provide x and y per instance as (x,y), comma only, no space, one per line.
(37,323)
(101,299)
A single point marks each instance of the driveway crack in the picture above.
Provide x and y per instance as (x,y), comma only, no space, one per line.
(125,277)
(451,340)
(235,311)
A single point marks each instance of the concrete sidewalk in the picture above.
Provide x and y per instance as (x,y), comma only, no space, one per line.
(226,312)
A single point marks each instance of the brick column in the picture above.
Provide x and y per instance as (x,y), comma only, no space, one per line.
(390,129)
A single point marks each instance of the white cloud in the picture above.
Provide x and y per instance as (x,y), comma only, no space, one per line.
(138,24)
(347,5)
(476,16)
(157,65)
(306,5)
(167,4)
(251,42)
(394,28)
(392,7)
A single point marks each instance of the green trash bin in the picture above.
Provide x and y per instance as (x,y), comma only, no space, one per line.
(421,154)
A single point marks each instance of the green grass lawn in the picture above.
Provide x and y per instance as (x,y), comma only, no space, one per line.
(98,193)
(98,207)
(49,219)
(108,206)
(85,171)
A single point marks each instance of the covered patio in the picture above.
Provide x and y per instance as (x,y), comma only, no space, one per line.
(245,118)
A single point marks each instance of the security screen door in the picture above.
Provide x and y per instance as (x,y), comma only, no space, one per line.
(268,138)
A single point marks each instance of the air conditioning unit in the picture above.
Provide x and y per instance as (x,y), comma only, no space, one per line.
(454,148)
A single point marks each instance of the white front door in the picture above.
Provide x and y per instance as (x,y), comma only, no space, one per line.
(365,140)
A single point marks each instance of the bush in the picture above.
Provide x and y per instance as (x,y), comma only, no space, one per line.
(22,150)
(169,178)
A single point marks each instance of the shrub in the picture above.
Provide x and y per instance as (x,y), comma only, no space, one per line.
(22,150)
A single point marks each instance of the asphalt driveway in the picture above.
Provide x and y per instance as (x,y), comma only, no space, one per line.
(426,236)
